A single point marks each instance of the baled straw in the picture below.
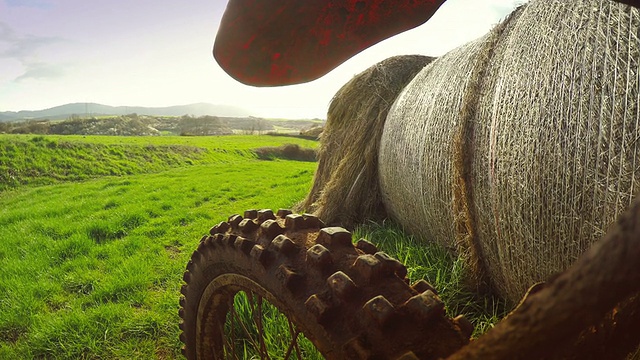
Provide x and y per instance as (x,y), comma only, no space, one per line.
(520,148)
(345,188)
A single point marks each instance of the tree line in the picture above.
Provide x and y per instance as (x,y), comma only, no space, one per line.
(124,125)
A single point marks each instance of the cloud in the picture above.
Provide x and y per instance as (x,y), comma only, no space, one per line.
(6,32)
(42,4)
(22,46)
(40,70)
(26,50)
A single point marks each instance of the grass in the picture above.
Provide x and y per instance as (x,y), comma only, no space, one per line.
(41,160)
(438,266)
(277,335)
(431,262)
(91,264)
(92,269)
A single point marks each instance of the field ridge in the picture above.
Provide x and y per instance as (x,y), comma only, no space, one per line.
(42,160)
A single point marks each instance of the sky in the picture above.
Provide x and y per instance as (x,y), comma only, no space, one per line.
(158,53)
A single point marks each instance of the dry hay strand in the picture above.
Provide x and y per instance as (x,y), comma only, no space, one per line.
(520,148)
(345,187)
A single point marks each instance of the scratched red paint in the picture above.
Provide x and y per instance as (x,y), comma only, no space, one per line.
(248,43)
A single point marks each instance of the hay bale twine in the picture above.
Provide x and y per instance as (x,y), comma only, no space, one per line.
(520,148)
(345,187)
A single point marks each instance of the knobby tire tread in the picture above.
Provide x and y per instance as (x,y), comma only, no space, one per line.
(350,300)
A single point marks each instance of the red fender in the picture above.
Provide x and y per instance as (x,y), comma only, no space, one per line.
(284,42)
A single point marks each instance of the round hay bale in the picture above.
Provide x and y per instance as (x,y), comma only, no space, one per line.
(313,132)
(345,187)
(520,148)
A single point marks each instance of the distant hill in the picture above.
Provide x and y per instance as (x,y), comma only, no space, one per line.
(93,109)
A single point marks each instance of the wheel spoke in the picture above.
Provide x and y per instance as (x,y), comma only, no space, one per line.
(294,341)
(258,320)
(249,336)
(241,340)
(232,345)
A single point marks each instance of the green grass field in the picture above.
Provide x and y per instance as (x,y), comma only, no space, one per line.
(92,269)
(40,160)
(96,231)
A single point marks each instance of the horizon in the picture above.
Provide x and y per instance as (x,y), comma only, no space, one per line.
(224,111)
(158,54)
(115,106)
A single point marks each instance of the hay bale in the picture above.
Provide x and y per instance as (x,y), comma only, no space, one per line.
(313,132)
(345,185)
(520,148)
